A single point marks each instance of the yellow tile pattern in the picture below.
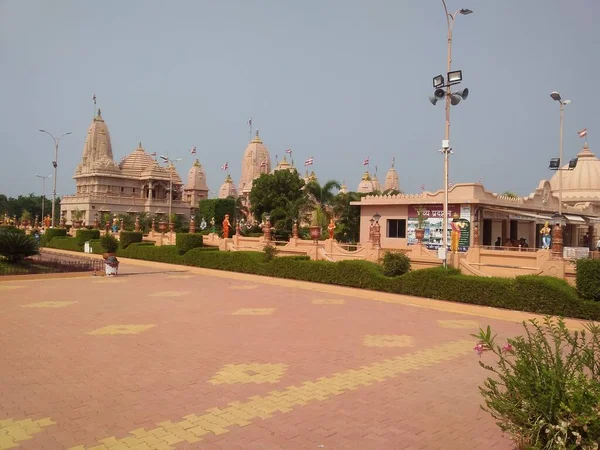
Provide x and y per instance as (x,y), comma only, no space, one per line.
(254,312)
(169,294)
(328,301)
(14,431)
(218,420)
(10,287)
(243,287)
(249,373)
(48,305)
(121,329)
(388,340)
(458,324)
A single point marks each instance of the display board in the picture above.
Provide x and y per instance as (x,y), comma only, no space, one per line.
(434,223)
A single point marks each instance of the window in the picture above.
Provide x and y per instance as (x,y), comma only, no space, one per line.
(122,189)
(134,190)
(396,228)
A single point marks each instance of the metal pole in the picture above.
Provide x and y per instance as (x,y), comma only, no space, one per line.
(43,196)
(54,188)
(170,189)
(450,21)
(560,156)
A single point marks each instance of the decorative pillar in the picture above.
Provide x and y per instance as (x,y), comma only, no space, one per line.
(122,227)
(238,228)
(153,227)
(295,229)
(192,225)
(475,234)
(377,234)
(267,230)
(557,241)
(137,223)
(371,229)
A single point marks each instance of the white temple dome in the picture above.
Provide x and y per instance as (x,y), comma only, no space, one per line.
(136,162)
(366,185)
(582,183)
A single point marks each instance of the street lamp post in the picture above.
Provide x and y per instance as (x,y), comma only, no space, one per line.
(451,99)
(170,162)
(556,96)
(43,191)
(55,164)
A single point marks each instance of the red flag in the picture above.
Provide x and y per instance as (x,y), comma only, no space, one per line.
(582,133)
(289,151)
(225,166)
(153,154)
(193,151)
(366,162)
(309,161)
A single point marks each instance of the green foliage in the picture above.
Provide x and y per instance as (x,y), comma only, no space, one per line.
(15,246)
(270,251)
(588,278)
(129,237)
(5,228)
(109,243)
(186,241)
(30,203)
(65,243)
(395,264)
(217,208)
(275,190)
(84,235)
(510,194)
(348,229)
(51,233)
(545,387)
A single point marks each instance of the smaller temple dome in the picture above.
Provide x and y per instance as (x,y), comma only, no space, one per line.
(310,177)
(343,188)
(136,162)
(391,179)
(227,189)
(366,185)
(376,185)
(284,165)
(582,183)
(196,178)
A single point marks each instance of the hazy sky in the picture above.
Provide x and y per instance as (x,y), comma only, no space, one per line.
(339,80)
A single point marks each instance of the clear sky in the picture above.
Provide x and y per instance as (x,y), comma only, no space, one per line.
(339,80)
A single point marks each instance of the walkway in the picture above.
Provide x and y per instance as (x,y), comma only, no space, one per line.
(169,357)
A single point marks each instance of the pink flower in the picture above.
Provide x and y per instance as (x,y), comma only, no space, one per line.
(479,348)
(507,348)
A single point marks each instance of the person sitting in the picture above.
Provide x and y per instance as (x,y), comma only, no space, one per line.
(498,242)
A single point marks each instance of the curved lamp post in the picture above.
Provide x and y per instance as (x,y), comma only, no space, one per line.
(55,164)
(556,96)
(43,191)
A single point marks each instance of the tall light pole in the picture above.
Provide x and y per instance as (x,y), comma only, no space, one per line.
(55,164)
(43,191)
(556,96)
(170,162)
(451,99)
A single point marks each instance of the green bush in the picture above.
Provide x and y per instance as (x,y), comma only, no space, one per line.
(109,243)
(15,246)
(186,241)
(545,386)
(395,264)
(65,243)
(52,233)
(588,278)
(4,228)
(83,235)
(130,237)
(269,252)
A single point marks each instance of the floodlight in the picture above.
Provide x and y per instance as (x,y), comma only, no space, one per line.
(554,164)
(455,76)
(438,81)
(555,96)
(572,163)
(466,11)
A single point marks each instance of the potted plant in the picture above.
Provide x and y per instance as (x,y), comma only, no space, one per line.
(162,224)
(421,219)
(109,244)
(172,219)
(106,219)
(315,225)
(25,218)
(77,216)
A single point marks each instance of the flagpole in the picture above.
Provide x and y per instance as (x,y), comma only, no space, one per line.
(250,131)
(94,109)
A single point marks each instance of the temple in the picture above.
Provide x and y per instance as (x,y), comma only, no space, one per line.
(138,184)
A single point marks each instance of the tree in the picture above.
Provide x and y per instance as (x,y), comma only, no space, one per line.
(348,228)
(322,199)
(274,192)
(217,208)
(510,194)
(31,203)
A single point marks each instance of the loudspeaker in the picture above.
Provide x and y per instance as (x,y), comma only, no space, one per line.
(433,100)
(439,94)
(455,99)
(464,93)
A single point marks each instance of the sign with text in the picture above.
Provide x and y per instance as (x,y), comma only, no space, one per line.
(433,211)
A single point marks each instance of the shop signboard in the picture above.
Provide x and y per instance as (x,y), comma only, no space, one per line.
(434,215)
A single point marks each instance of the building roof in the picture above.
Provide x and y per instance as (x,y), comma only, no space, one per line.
(196,178)
(227,189)
(136,162)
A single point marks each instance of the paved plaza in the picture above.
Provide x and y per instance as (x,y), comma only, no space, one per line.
(166,357)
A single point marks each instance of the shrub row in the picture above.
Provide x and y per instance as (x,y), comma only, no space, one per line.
(126,238)
(186,241)
(588,278)
(83,235)
(543,295)
(51,233)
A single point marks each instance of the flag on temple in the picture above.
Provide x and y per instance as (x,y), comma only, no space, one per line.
(422,187)
(153,154)
(582,133)
(94,99)
(250,122)
(309,161)
(366,162)
(193,150)
(289,151)
(450,184)
(225,166)
(164,158)
(264,163)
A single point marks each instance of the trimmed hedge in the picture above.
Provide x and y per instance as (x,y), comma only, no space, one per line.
(588,279)
(127,238)
(51,233)
(543,295)
(186,241)
(83,235)
(65,243)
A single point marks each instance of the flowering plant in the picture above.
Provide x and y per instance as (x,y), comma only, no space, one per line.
(545,391)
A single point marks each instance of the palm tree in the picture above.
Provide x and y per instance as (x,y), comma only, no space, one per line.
(322,197)
(392,192)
